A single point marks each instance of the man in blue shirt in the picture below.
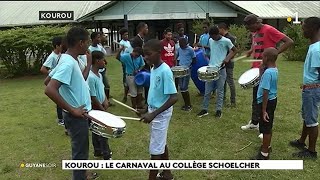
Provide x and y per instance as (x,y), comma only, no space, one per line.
(68,89)
(133,63)
(267,100)
(310,91)
(204,39)
(222,51)
(161,98)
(187,57)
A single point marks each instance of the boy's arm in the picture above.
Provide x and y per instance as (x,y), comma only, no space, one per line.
(86,71)
(47,80)
(147,118)
(119,52)
(264,105)
(231,54)
(52,91)
(44,70)
(96,104)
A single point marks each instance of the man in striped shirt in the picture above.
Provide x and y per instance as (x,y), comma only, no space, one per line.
(263,36)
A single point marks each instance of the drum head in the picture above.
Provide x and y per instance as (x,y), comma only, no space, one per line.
(249,76)
(107,118)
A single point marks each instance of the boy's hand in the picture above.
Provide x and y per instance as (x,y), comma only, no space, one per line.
(265,117)
(78,112)
(147,118)
(106,104)
(89,58)
(248,53)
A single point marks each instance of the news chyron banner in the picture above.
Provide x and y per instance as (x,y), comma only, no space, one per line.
(182,164)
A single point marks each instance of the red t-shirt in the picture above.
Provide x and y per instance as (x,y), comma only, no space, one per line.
(266,37)
(167,52)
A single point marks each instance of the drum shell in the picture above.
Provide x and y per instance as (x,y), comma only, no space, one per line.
(106,131)
(142,79)
(208,75)
(251,84)
(180,71)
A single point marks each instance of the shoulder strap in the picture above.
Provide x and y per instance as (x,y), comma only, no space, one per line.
(58,59)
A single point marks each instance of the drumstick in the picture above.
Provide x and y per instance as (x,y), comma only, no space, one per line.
(122,104)
(129,118)
(238,58)
(195,38)
(252,60)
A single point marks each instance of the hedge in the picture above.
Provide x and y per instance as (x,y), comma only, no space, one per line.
(23,50)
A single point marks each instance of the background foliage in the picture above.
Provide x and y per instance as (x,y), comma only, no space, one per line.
(298,51)
(23,50)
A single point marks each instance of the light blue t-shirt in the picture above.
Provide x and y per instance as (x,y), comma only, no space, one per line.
(96,86)
(161,86)
(128,46)
(74,89)
(204,41)
(132,64)
(312,62)
(185,56)
(97,48)
(82,61)
(52,61)
(176,47)
(268,81)
(219,50)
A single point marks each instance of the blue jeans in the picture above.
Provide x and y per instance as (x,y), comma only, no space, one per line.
(212,86)
(78,129)
(184,83)
(310,103)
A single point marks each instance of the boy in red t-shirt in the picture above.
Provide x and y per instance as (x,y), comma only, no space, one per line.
(263,36)
(168,48)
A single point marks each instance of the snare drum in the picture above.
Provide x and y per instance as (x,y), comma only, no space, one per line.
(180,71)
(106,125)
(208,73)
(249,79)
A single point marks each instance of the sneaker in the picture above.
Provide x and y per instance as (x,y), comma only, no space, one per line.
(160,176)
(259,156)
(218,114)
(297,144)
(260,149)
(305,154)
(92,176)
(250,126)
(260,136)
(202,113)
(61,122)
(186,108)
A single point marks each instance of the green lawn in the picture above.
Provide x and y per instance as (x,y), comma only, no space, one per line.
(29,132)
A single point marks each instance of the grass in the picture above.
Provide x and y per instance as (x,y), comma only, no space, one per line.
(29,132)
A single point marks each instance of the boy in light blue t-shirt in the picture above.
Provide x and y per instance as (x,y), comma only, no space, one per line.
(161,98)
(99,102)
(187,57)
(222,51)
(267,100)
(69,90)
(310,92)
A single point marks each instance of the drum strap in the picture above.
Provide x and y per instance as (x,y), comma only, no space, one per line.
(134,66)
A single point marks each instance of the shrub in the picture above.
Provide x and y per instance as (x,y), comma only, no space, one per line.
(242,37)
(298,51)
(23,50)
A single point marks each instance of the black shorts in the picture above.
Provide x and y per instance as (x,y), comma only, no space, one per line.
(266,127)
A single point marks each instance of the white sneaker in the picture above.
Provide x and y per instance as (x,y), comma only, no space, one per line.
(250,126)
(261,136)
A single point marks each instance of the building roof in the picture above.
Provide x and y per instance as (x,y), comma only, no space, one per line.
(153,10)
(19,13)
(281,9)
